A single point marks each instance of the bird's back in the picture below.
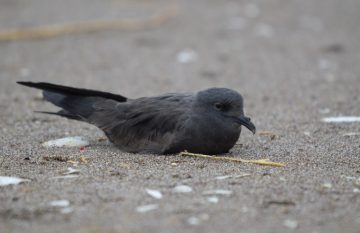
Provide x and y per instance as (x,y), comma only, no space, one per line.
(146,125)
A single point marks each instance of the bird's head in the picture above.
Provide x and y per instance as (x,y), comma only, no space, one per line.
(225,103)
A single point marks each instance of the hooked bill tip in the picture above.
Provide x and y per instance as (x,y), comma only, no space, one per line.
(246,121)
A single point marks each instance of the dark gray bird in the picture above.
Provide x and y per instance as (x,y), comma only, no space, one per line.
(207,122)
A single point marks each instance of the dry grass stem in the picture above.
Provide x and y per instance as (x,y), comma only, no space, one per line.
(263,162)
(54,30)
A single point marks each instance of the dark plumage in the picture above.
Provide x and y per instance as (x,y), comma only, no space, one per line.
(206,122)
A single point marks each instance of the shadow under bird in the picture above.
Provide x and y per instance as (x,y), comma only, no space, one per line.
(207,122)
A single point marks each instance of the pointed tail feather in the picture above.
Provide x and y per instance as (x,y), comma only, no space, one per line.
(73,91)
(77,104)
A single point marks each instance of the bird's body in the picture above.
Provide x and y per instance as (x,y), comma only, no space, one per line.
(206,122)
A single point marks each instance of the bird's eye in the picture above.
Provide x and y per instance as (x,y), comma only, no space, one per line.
(219,106)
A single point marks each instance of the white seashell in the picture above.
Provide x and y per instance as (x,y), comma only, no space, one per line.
(146,208)
(182,189)
(342,119)
(291,224)
(60,203)
(218,192)
(154,193)
(76,141)
(187,56)
(9,180)
(213,199)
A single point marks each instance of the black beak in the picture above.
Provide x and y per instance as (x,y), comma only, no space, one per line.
(246,121)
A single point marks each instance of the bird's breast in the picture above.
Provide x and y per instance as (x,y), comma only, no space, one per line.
(208,137)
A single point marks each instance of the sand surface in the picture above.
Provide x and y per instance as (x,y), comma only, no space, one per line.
(295,62)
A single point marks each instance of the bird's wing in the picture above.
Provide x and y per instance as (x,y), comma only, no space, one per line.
(144,124)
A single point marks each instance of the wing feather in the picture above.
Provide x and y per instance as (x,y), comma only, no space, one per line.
(145,124)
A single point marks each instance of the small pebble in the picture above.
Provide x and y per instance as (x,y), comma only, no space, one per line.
(24,72)
(218,192)
(327,185)
(351,134)
(182,189)
(268,172)
(222,177)
(193,221)
(9,180)
(349,177)
(307,133)
(197,220)
(187,56)
(76,141)
(154,193)
(291,224)
(67,210)
(232,176)
(324,64)
(146,208)
(71,170)
(60,203)
(66,177)
(342,119)
(39,96)
(324,110)
(213,199)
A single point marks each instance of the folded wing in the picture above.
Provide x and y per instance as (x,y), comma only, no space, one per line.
(145,125)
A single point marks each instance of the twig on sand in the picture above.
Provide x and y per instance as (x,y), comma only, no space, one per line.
(263,162)
(54,30)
